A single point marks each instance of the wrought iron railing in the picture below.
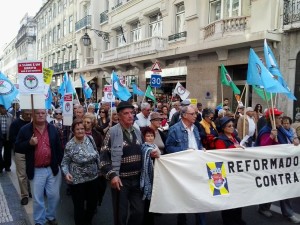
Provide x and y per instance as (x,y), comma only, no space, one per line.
(177,36)
(66,65)
(104,16)
(291,11)
(117,5)
(84,22)
(74,64)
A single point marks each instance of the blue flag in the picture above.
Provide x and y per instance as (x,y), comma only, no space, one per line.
(8,91)
(87,91)
(271,63)
(258,74)
(61,90)
(68,83)
(119,90)
(274,69)
(48,100)
(136,90)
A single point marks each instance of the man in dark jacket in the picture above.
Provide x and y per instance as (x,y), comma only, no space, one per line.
(43,157)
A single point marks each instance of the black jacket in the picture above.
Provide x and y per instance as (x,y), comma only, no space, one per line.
(22,142)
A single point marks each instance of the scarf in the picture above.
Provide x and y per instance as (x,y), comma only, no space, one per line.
(207,125)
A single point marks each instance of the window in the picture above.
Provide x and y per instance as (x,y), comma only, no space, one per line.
(136,31)
(71,24)
(46,42)
(54,10)
(58,32)
(223,9)
(180,18)
(65,28)
(46,19)
(155,25)
(54,35)
(50,15)
(120,38)
(59,7)
(50,37)
(65,3)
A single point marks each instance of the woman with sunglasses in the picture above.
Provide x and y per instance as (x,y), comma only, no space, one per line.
(208,130)
(103,121)
(228,140)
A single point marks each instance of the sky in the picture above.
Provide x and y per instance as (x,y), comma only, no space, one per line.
(12,11)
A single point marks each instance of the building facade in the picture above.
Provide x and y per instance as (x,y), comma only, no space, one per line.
(9,61)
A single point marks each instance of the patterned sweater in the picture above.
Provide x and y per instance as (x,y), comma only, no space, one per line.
(81,160)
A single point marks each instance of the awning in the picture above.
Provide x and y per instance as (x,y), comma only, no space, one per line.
(77,83)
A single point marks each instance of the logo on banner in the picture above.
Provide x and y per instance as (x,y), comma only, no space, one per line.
(181,90)
(109,96)
(218,184)
(67,107)
(6,87)
(31,81)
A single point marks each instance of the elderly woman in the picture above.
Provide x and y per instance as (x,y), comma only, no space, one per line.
(114,118)
(227,140)
(208,130)
(89,123)
(155,124)
(80,165)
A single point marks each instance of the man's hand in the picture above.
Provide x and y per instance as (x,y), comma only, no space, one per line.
(69,178)
(33,140)
(296,141)
(273,133)
(116,183)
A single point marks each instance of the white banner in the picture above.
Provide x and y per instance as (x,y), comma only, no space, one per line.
(68,109)
(195,181)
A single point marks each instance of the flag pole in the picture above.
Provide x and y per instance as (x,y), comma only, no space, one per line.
(246,104)
(222,95)
(144,95)
(240,99)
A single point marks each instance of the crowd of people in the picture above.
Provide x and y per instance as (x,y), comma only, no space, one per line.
(117,145)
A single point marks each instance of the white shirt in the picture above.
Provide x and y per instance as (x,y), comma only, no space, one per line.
(173,110)
(191,136)
(142,121)
(251,126)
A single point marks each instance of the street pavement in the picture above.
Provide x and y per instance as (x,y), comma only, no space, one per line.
(12,213)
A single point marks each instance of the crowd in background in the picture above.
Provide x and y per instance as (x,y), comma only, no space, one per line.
(116,144)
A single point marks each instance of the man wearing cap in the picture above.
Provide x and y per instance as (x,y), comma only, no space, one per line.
(43,157)
(121,162)
(182,136)
(273,136)
(176,116)
(142,118)
(5,120)
(246,126)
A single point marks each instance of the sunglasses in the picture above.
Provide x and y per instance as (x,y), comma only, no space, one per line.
(58,113)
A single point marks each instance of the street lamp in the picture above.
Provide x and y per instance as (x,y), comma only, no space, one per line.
(86,40)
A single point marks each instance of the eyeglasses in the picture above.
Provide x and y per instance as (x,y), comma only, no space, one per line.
(192,114)
(102,112)
(58,113)
(226,109)
(88,122)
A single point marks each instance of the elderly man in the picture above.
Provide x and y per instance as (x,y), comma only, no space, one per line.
(176,116)
(79,112)
(176,108)
(121,162)
(182,136)
(43,156)
(5,120)
(246,126)
(20,161)
(142,118)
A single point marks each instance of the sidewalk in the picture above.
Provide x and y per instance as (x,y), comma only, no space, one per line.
(11,210)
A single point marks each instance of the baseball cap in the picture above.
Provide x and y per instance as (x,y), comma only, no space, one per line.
(249,109)
(275,110)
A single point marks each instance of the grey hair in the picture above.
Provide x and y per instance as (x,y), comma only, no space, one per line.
(145,105)
(221,112)
(184,109)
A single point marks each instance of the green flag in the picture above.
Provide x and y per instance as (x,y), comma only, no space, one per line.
(150,94)
(226,80)
(260,92)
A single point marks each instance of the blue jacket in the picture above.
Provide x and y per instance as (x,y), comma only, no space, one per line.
(22,142)
(177,139)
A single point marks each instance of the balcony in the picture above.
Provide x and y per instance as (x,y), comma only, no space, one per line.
(104,17)
(291,15)
(117,5)
(84,22)
(178,36)
(55,68)
(60,67)
(144,47)
(67,65)
(220,28)
(74,64)
(89,61)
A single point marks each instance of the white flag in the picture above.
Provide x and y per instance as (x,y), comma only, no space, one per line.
(181,91)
